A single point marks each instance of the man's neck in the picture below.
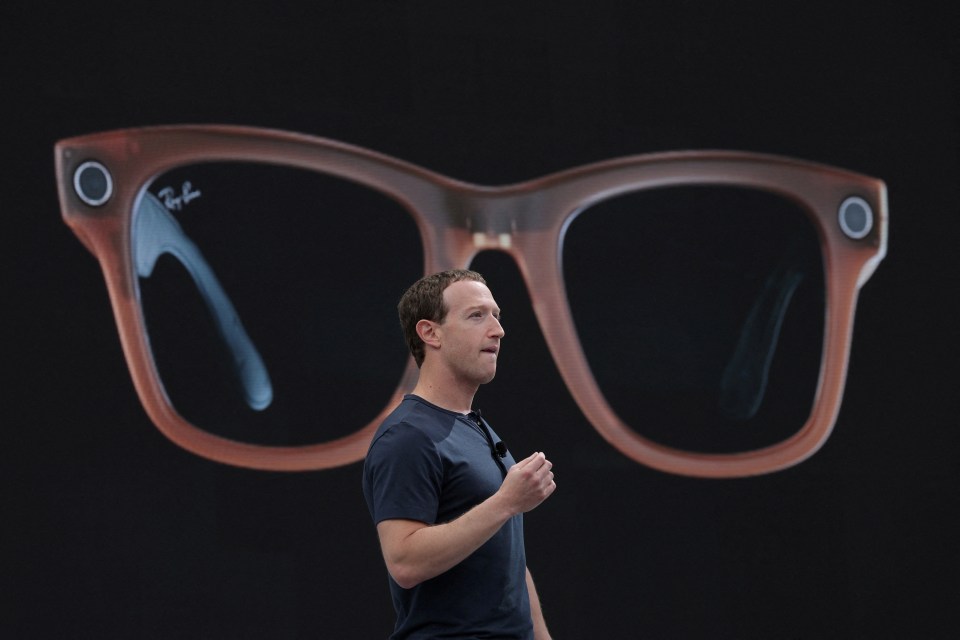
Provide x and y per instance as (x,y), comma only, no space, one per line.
(446,394)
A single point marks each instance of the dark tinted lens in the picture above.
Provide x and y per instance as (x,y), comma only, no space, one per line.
(701,312)
(270,298)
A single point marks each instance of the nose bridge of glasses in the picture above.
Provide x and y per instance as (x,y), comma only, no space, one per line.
(493,217)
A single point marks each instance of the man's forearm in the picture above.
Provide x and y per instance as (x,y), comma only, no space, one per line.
(420,552)
(415,551)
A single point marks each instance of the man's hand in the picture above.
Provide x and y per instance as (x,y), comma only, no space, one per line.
(528,483)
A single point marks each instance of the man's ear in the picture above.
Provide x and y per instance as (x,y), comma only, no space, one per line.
(429,333)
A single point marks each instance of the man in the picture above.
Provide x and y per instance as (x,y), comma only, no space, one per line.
(446,496)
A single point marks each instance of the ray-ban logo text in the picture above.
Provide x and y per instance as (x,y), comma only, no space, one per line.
(175,201)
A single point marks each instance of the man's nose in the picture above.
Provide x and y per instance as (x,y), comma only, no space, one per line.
(497,329)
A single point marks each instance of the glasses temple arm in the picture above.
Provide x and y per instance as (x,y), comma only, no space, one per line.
(156,232)
(744,380)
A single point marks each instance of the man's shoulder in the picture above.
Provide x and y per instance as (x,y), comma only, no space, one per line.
(415,420)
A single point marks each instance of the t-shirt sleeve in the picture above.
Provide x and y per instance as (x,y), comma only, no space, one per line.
(404,475)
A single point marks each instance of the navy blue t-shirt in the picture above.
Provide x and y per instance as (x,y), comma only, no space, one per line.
(432,465)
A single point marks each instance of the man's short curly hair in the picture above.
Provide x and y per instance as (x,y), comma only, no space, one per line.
(424,301)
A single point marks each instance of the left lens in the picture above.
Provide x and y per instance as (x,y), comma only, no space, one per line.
(269,295)
(700,311)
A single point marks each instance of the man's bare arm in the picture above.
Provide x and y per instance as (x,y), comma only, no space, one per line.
(415,551)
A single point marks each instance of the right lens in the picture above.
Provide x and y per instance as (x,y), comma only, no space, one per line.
(701,313)
(270,296)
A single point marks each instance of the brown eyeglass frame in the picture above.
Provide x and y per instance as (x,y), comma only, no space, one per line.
(457,220)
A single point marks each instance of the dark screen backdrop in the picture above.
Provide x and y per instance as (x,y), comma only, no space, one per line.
(113,531)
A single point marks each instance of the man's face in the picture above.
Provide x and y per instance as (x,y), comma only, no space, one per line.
(470,334)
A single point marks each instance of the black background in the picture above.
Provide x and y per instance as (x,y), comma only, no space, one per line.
(116,532)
